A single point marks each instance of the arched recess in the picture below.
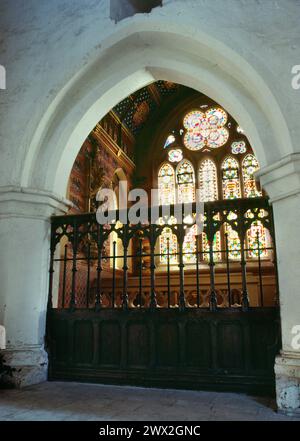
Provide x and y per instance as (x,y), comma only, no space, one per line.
(136,55)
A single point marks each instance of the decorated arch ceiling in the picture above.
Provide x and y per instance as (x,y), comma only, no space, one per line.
(135,110)
(166,118)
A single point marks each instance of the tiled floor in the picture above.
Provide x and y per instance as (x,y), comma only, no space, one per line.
(77,401)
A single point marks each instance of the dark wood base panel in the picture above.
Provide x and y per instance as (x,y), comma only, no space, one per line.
(196,349)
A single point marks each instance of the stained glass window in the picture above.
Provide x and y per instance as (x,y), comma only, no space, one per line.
(166,185)
(249,167)
(186,181)
(238,147)
(230,179)
(205,129)
(234,243)
(175,155)
(189,245)
(208,187)
(170,139)
(216,246)
(168,239)
(257,237)
(186,193)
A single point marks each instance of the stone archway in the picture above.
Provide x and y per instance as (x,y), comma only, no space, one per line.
(147,56)
(134,56)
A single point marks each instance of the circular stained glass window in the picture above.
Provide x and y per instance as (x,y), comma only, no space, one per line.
(205,129)
(175,155)
(217,137)
(216,117)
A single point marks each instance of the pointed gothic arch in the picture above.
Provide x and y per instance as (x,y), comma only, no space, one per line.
(231,181)
(208,180)
(185,179)
(249,166)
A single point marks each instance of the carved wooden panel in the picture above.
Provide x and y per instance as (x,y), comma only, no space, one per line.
(170,348)
(230,345)
(263,339)
(83,342)
(198,344)
(110,343)
(138,345)
(59,342)
(167,344)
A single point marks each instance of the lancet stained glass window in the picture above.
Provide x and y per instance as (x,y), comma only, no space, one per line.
(186,193)
(249,167)
(231,179)
(257,238)
(168,239)
(166,185)
(189,245)
(208,185)
(185,182)
(216,246)
(233,241)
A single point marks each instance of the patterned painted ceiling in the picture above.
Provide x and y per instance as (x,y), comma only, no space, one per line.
(134,110)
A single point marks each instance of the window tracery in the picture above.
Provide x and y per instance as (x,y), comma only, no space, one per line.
(166,184)
(208,185)
(185,182)
(231,179)
(249,167)
(205,129)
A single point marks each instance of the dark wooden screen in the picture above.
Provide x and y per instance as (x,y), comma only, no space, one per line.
(213,324)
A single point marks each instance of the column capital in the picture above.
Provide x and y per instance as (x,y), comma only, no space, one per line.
(32,203)
(281,179)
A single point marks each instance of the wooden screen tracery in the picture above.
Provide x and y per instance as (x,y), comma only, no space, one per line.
(85,259)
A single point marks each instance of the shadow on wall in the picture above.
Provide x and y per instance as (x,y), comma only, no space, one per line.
(120,9)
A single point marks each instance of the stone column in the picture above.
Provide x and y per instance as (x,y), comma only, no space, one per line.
(282,182)
(24,261)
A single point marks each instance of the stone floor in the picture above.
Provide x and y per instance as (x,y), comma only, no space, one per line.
(77,401)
